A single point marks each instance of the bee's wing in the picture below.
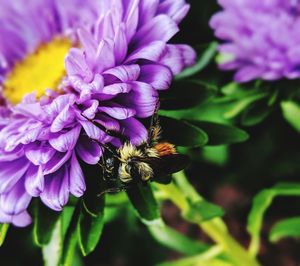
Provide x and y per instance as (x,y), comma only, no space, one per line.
(167,165)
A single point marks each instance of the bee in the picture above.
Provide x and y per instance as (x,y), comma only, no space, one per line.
(153,160)
(149,161)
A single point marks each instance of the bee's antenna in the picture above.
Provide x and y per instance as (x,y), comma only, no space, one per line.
(111,133)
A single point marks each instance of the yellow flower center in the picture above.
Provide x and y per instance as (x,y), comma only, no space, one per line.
(37,72)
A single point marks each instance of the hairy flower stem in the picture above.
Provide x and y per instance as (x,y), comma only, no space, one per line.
(183,195)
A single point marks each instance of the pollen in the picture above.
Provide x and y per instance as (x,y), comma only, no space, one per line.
(38,71)
(165,148)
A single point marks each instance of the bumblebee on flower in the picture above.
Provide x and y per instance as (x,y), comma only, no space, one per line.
(61,68)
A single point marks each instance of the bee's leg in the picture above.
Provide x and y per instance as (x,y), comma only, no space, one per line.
(110,149)
(113,190)
(154,129)
(103,164)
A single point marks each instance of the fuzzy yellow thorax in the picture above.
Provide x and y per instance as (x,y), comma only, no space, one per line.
(38,71)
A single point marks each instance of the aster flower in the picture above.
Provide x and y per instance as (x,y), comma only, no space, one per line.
(261,38)
(113,68)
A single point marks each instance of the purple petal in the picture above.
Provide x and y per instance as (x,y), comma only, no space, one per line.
(131,18)
(39,153)
(34,182)
(116,88)
(88,43)
(86,88)
(143,98)
(77,183)
(65,118)
(105,58)
(76,65)
(177,10)
(11,156)
(152,51)
(108,122)
(158,76)
(63,142)
(247,73)
(105,27)
(125,73)
(16,200)
(89,151)
(152,31)
(121,45)
(59,104)
(27,136)
(134,130)
(148,9)
(177,57)
(33,110)
(117,111)
(56,162)
(57,189)
(11,173)
(93,131)
(90,112)
(20,220)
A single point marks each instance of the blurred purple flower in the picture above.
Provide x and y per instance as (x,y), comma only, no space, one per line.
(120,58)
(261,38)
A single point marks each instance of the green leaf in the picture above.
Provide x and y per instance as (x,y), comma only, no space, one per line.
(3,232)
(231,89)
(69,228)
(211,111)
(186,94)
(66,218)
(218,155)
(261,203)
(255,113)
(204,59)
(286,228)
(44,223)
(221,134)
(142,198)
(291,113)
(52,251)
(201,211)
(93,203)
(174,240)
(242,104)
(90,228)
(116,199)
(182,133)
(111,214)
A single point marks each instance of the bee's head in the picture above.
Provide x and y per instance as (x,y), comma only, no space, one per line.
(111,165)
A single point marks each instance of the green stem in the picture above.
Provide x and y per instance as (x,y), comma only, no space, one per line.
(207,258)
(182,195)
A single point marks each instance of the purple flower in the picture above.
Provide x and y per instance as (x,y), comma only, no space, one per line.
(117,58)
(261,38)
